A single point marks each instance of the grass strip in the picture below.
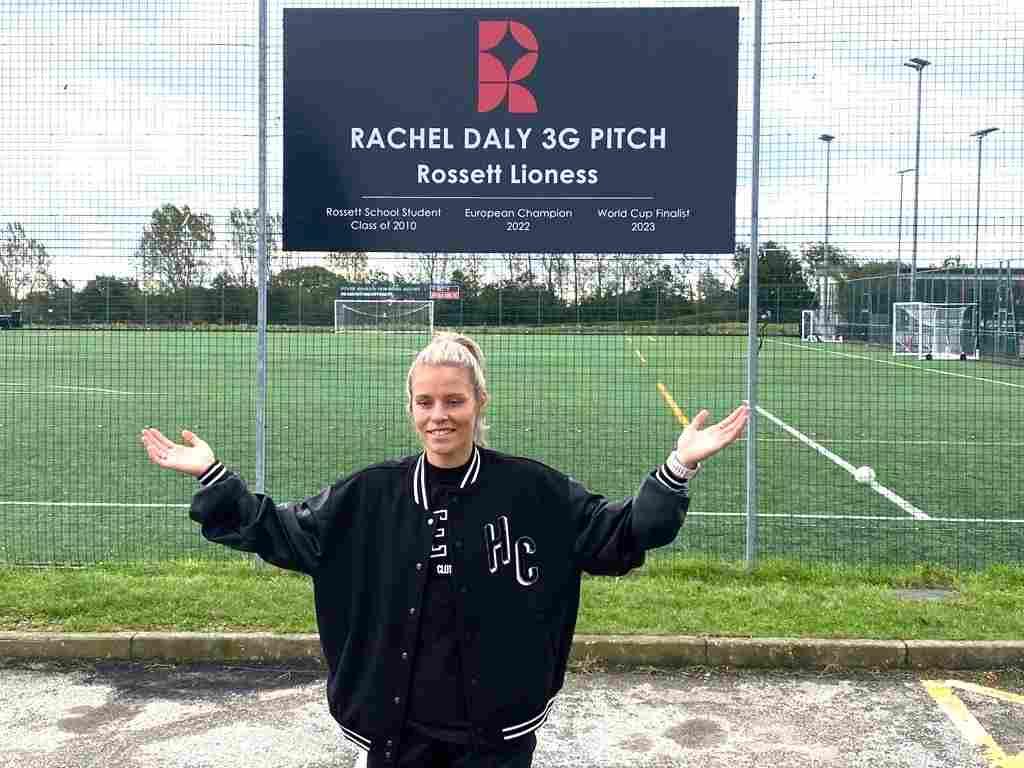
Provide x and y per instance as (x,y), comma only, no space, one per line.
(668,596)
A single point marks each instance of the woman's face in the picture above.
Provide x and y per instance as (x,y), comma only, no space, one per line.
(444,410)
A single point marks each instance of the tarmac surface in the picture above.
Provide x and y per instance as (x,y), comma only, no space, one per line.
(258,701)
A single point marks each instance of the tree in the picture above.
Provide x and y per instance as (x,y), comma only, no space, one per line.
(306,276)
(825,262)
(174,246)
(780,278)
(710,288)
(106,298)
(350,266)
(244,224)
(304,295)
(24,264)
(431,267)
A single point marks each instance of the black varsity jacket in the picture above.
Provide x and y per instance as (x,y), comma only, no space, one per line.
(521,535)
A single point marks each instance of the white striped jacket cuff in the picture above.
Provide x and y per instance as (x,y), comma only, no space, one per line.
(670,480)
(214,473)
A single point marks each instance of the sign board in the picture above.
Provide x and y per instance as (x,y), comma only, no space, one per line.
(418,291)
(510,130)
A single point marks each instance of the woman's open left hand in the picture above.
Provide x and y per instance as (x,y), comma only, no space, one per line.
(697,443)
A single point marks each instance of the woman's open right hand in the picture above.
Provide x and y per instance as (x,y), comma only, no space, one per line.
(193,458)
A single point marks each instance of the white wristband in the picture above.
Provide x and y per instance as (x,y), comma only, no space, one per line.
(680,470)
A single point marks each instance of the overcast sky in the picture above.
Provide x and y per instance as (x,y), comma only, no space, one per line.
(111,110)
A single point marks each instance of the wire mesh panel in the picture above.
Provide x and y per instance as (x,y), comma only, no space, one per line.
(128,146)
(129,231)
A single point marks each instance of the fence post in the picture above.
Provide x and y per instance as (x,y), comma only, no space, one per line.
(261,261)
(750,550)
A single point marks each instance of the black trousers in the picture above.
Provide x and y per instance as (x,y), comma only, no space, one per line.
(417,751)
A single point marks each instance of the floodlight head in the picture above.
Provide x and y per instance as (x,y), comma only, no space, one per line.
(979,135)
(826,137)
(916,63)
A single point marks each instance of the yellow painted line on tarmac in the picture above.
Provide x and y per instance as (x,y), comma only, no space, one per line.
(680,416)
(992,693)
(642,360)
(972,731)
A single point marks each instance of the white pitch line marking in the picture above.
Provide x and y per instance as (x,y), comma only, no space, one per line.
(905,365)
(883,518)
(896,499)
(72,388)
(119,505)
(103,391)
(778,515)
(642,360)
(861,441)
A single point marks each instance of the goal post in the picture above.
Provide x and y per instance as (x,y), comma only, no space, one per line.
(820,325)
(935,331)
(384,315)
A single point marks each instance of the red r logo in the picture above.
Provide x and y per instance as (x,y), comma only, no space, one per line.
(494,82)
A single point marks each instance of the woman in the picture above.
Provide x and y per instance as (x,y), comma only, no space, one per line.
(447,584)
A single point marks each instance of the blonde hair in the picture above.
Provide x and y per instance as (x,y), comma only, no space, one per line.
(458,351)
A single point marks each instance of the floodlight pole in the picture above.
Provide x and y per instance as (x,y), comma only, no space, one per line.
(979,135)
(899,236)
(919,65)
(70,291)
(827,138)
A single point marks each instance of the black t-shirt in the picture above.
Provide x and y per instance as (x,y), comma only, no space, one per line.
(438,705)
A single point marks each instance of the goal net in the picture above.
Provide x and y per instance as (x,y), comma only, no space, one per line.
(820,325)
(935,331)
(384,315)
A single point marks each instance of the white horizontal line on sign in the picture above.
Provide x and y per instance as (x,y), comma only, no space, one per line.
(496,197)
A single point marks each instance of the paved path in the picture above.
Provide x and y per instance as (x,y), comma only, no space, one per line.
(163,715)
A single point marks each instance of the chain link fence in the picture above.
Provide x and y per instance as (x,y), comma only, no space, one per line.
(129,196)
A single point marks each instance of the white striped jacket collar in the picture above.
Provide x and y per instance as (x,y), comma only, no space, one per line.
(419,477)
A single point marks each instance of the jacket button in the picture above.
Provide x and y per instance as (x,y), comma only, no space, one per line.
(405,656)
(390,743)
(458,544)
(430,521)
(419,566)
(412,611)
(474,681)
(387,755)
(398,699)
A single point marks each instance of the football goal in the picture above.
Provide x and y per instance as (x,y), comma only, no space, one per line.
(935,331)
(384,315)
(820,325)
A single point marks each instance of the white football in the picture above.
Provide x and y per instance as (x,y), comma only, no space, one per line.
(864,474)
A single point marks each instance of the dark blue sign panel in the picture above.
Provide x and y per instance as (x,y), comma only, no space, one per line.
(511,130)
